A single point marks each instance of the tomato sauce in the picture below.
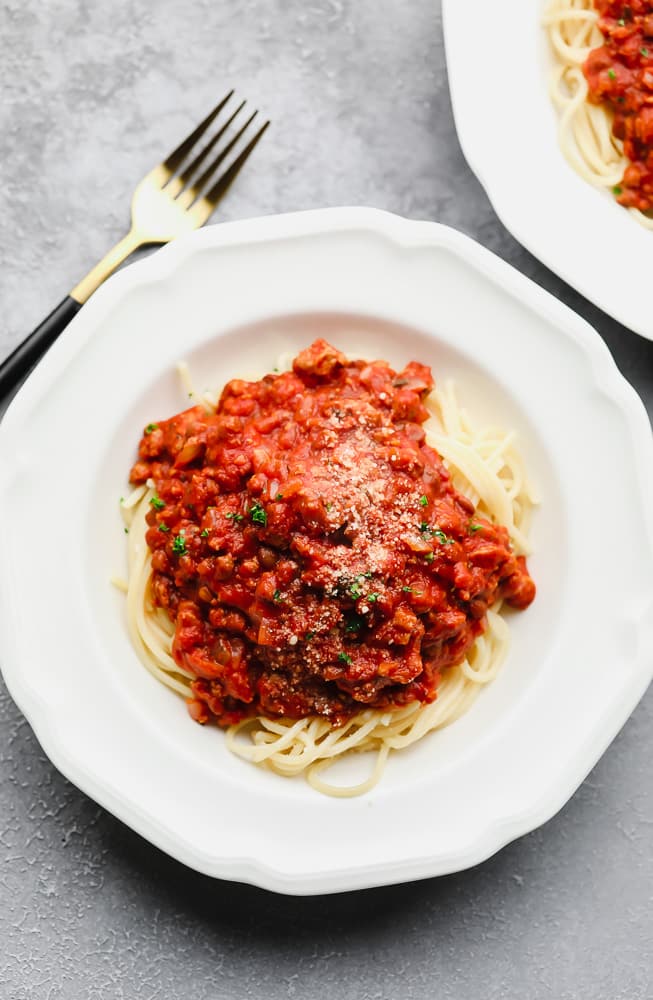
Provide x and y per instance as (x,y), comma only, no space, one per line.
(310,547)
(619,75)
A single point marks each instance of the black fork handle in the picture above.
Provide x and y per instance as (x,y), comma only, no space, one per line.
(34,347)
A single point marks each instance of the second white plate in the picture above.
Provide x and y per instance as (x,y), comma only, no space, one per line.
(508,132)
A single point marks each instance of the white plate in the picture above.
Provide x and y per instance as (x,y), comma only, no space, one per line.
(498,60)
(231,298)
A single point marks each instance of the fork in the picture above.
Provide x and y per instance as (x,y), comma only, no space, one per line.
(168,202)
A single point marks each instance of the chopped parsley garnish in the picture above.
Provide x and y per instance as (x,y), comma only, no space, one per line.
(179,545)
(612,74)
(430,556)
(279,496)
(344,658)
(151,427)
(233,517)
(164,527)
(473,528)
(372,598)
(354,624)
(644,52)
(126,530)
(355,590)
(424,501)
(408,590)
(442,538)
(438,533)
(157,503)
(205,533)
(258,515)
(617,189)
(309,636)
(277,597)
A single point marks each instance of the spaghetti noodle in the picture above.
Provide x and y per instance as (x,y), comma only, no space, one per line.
(485,467)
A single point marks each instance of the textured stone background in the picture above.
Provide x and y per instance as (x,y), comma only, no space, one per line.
(92,94)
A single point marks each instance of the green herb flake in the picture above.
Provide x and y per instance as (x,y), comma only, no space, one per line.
(344,658)
(622,22)
(126,530)
(122,499)
(277,597)
(328,507)
(234,517)
(309,636)
(164,527)
(258,515)
(473,528)
(424,501)
(355,591)
(179,545)
(205,533)
(279,496)
(151,427)
(408,590)
(617,189)
(354,624)
(612,74)
(442,538)
(372,598)
(430,556)
(644,52)
(425,527)
(157,503)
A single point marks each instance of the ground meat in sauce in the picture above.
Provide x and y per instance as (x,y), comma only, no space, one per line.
(310,548)
(619,74)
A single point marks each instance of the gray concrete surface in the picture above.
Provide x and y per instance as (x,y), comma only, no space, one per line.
(92,94)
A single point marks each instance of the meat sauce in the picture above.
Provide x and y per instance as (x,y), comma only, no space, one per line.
(309,545)
(619,74)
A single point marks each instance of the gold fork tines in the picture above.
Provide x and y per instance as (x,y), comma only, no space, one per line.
(171,201)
